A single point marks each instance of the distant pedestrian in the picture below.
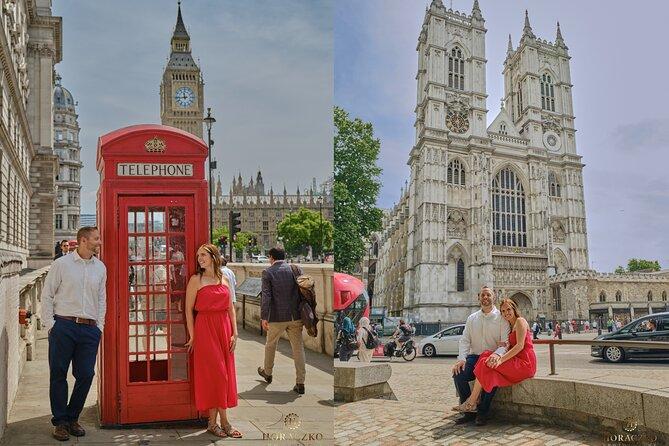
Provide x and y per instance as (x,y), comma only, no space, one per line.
(609,325)
(366,338)
(74,305)
(535,330)
(230,274)
(346,339)
(558,332)
(587,326)
(619,324)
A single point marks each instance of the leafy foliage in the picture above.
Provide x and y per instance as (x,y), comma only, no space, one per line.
(639,265)
(303,228)
(356,188)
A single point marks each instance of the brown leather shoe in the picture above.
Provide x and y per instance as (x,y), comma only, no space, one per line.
(76,429)
(267,377)
(60,433)
(299,388)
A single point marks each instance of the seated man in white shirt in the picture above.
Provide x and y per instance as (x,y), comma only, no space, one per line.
(484,330)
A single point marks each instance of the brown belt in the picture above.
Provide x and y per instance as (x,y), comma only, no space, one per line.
(78,320)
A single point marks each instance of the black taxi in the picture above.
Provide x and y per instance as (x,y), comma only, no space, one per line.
(651,328)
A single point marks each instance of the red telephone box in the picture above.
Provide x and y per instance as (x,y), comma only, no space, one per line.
(152,214)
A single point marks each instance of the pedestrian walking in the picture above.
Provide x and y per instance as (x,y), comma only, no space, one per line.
(280,314)
(367,340)
(73,312)
(230,274)
(346,339)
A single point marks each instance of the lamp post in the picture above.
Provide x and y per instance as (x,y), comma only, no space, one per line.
(208,121)
(320,226)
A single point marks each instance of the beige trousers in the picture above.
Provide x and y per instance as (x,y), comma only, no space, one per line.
(294,329)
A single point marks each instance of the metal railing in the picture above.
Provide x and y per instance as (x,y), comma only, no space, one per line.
(630,344)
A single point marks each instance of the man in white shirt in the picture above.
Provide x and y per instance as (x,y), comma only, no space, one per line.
(484,330)
(73,312)
(230,274)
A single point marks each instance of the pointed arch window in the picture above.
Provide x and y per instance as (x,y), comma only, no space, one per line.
(460,275)
(619,296)
(456,69)
(664,296)
(602,296)
(455,174)
(508,209)
(520,100)
(650,296)
(547,93)
(553,185)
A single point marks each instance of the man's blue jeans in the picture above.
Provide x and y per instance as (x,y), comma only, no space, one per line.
(462,380)
(76,343)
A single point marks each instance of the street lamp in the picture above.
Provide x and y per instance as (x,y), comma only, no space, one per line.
(208,121)
(320,226)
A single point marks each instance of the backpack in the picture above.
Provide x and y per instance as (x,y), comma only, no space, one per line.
(307,304)
(372,340)
(406,329)
(348,340)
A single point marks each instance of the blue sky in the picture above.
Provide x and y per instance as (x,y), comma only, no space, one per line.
(267,69)
(618,70)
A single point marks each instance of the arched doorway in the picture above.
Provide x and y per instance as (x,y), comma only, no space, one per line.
(524,305)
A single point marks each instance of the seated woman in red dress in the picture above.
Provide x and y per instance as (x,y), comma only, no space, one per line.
(212,339)
(517,364)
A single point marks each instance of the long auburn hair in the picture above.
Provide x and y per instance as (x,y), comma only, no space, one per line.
(215,255)
(512,304)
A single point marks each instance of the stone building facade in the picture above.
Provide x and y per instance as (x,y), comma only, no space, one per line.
(67,148)
(30,45)
(262,210)
(500,204)
(182,87)
(590,295)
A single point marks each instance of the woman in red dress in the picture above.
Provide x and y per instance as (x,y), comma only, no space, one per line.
(212,339)
(517,364)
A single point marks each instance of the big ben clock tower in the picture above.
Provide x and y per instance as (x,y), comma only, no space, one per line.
(182,88)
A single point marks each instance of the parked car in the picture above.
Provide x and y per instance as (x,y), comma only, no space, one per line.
(259,259)
(638,330)
(445,342)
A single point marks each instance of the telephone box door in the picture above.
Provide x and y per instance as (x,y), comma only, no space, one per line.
(156,255)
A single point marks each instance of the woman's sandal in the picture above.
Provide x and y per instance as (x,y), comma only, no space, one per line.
(231,432)
(217,430)
(466,407)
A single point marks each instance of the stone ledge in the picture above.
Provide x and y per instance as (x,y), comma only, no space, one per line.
(596,407)
(355,381)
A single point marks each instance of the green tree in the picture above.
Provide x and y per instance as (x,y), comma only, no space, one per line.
(301,229)
(356,188)
(620,270)
(641,264)
(242,241)
(218,233)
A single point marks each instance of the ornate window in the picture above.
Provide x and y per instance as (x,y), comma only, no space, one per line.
(502,129)
(455,174)
(553,185)
(619,296)
(650,296)
(602,296)
(557,299)
(456,69)
(547,93)
(664,296)
(508,210)
(460,275)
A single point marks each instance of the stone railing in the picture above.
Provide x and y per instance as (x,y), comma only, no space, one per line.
(30,299)
(604,409)
(592,274)
(322,274)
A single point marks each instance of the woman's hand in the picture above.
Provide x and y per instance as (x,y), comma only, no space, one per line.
(233,343)
(189,344)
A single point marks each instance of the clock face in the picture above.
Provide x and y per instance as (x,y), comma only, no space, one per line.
(457,122)
(184,96)
(552,141)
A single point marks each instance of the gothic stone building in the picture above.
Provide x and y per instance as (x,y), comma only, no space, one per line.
(498,205)
(261,211)
(182,87)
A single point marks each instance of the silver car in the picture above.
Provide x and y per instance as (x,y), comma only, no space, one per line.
(445,342)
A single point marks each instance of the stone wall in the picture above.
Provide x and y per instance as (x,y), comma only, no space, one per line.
(322,274)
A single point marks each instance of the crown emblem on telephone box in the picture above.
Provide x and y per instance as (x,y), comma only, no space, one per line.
(155,145)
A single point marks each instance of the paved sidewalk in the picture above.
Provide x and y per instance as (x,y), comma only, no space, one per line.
(425,395)
(262,408)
